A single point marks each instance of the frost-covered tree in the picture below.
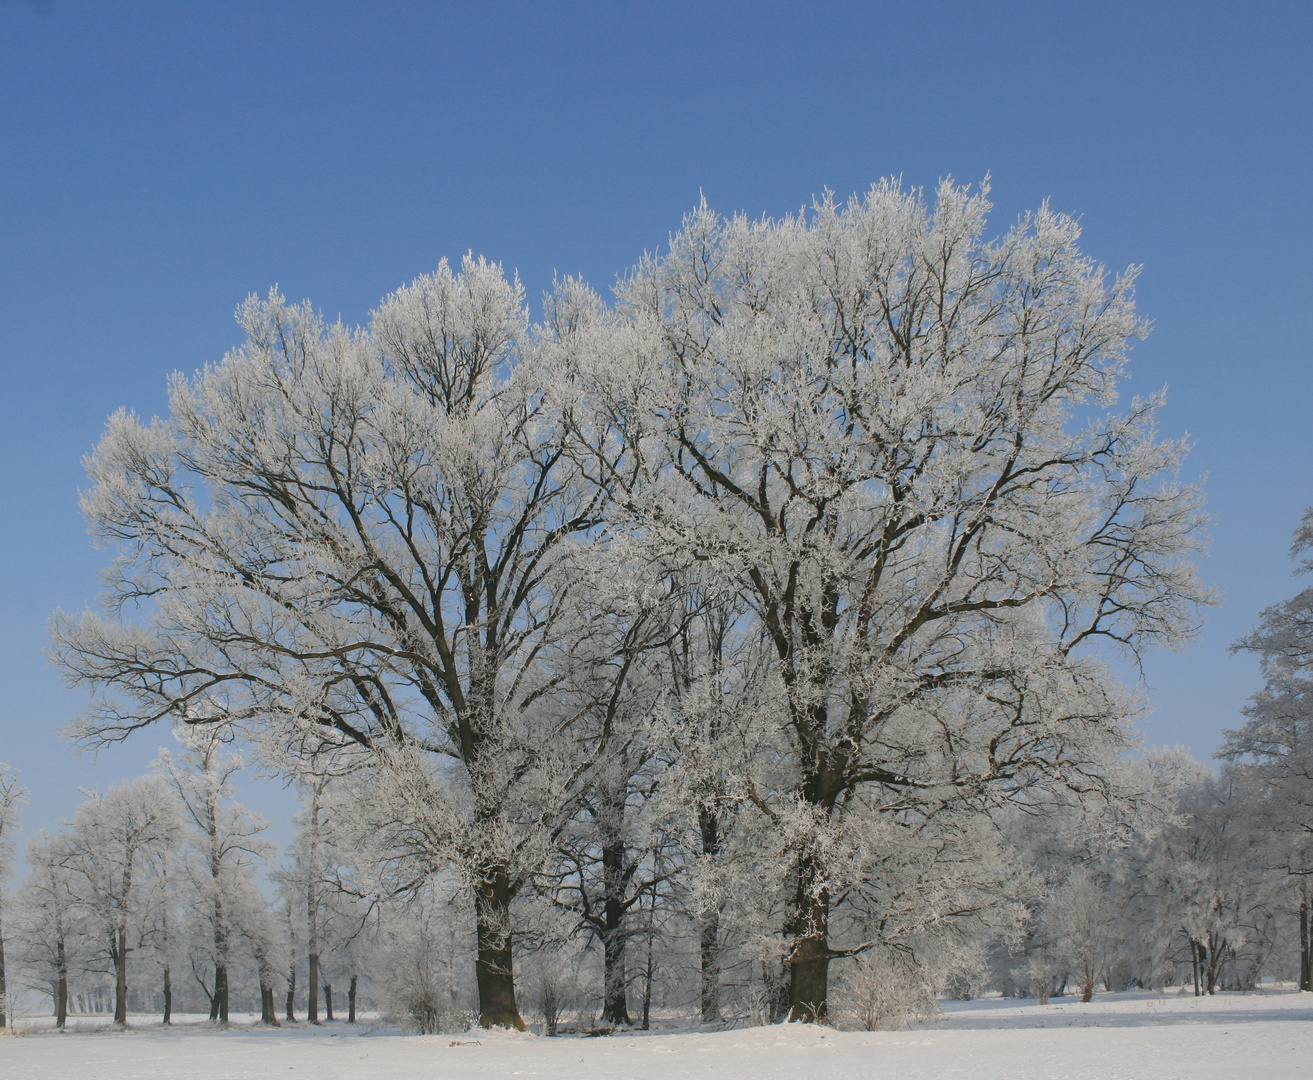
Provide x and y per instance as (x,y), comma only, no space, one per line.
(12,798)
(1274,748)
(610,679)
(51,927)
(223,848)
(896,437)
(347,541)
(113,850)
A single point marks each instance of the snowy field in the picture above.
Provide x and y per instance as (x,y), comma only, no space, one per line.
(1131,1036)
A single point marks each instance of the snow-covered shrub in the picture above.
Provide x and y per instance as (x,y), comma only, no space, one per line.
(884,991)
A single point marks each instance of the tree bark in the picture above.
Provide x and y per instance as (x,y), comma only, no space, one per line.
(328,1002)
(493,967)
(168,997)
(809,955)
(709,827)
(291,994)
(312,990)
(121,978)
(61,985)
(268,1013)
(219,1006)
(351,1001)
(1305,957)
(312,912)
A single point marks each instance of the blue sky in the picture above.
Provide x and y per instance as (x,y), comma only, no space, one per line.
(158,162)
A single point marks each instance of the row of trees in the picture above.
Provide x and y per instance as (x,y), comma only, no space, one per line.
(798,564)
(1202,885)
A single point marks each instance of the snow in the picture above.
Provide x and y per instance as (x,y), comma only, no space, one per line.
(1137,1035)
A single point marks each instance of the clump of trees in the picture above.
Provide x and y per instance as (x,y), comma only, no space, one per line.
(708,637)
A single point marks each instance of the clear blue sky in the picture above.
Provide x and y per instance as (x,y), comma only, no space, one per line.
(160,161)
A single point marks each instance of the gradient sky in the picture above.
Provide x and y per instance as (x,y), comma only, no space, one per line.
(158,162)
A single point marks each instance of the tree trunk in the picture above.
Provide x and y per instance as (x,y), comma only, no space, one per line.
(615,997)
(61,985)
(711,968)
(312,912)
(220,1004)
(351,1001)
(121,979)
(493,967)
(648,968)
(291,994)
(809,954)
(168,997)
(312,990)
(268,1013)
(1305,957)
(615,881)
(709,827)
(328,1002)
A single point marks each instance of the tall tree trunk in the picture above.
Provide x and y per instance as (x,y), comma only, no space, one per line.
(351,1001)
(1305,945)
(615,981)
(61,985)
(121,978)
(710,943)
(328,1002)
(168,997)
(493,967)
(312,913)
(312,989)
(291,993)
(808,929)
(268,1012)
(649,968)
(221,993)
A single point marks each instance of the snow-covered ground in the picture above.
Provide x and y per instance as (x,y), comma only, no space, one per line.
(1143,1036)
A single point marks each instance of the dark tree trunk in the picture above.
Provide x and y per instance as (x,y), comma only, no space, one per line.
(219,1004)
(312,990)
(711,968)
(291,994)
(168,997)
(808,929)
(493,967)
(1305,958)
(61,985)
(615,882)
(328,1002)
(351,1001)
(649,969)
(121,979)
(615,998)
(709,827)
(268,1013)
